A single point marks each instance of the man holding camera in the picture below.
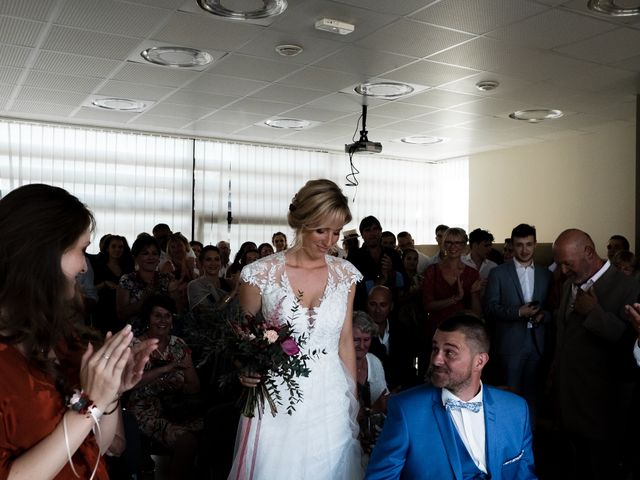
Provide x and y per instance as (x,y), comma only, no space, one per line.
(515,301)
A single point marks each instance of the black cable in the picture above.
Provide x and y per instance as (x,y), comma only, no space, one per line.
(353,137)
(352,181)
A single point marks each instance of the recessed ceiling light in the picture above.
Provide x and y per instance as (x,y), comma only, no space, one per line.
(612,8)
(270,8)
(422,140)
(384,89)
(487,85)
(292,123)
(177,57)
(119,104)
(536,115)
(288,50)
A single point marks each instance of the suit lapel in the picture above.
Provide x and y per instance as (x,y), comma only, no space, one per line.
(514,278)
(491,432)
(445,425)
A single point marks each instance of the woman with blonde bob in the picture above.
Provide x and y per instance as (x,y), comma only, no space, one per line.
(319,440)
(60,394)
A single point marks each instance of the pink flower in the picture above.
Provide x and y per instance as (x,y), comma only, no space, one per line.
(271,336)
(290,347)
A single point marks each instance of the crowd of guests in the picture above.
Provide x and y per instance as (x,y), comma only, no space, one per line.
(562,335)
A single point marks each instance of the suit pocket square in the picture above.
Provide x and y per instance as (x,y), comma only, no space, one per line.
(514,459)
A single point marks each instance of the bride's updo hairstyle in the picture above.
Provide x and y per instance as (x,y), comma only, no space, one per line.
(316,203)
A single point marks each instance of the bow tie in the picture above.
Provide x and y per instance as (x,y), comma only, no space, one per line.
(459,404)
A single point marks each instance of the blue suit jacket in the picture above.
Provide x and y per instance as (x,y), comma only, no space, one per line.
(418,441)
(502,299)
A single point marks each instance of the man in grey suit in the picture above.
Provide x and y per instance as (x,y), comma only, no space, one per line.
(515,301)
(594,365)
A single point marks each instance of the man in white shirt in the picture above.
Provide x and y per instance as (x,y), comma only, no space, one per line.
(515,307)
(593,366)
(480,244)
(456,427)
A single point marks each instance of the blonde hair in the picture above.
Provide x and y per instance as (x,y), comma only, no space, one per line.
(314,203)
(455,232)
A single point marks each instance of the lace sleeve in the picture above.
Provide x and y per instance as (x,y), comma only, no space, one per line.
(347,271)
(261,272)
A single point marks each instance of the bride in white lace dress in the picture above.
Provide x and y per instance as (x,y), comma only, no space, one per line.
(319,441)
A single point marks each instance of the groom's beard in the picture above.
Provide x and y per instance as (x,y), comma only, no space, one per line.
(443,377)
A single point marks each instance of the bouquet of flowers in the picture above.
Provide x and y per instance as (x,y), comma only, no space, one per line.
(272,349)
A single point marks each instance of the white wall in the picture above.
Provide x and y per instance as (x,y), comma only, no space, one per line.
(586,181)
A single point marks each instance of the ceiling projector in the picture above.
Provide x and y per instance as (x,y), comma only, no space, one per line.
(363,145)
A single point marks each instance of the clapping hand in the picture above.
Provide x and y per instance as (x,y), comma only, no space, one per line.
(478,285)
(132,373)
(633,312)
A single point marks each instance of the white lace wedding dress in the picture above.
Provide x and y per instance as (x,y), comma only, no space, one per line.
(319,441)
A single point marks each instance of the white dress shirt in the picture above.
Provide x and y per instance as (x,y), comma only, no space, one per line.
(485,267)
(384,338)
(470,427)
(589,283)
(526,276)
(636,352)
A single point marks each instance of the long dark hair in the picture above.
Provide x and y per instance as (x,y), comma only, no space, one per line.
(38,224)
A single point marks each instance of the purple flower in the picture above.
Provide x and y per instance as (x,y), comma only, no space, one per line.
(290,347)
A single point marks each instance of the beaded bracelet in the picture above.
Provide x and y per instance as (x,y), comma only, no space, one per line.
(80,402)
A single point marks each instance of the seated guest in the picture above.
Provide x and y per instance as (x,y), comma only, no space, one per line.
(265,249)
(372,386)
(209,291)
(456,427)
(449,285)
(279,241)
(626,262)
(480,243)
(168,376)
(393,344)
(135,287)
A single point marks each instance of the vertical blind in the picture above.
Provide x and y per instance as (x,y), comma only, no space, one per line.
(131,181)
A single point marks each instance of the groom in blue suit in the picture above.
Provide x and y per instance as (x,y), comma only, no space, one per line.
(457,428)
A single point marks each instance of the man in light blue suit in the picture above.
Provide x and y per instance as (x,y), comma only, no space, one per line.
(456,428)
(514,305)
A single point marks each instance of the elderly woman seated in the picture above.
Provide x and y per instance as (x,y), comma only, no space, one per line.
(372,386)
(160,401)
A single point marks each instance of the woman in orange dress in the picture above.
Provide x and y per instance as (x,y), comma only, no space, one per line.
(59,396)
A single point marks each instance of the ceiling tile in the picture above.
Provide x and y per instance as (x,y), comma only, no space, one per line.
(32,94)
(542,94)
(184,97)
(415,39)
(402,8)
(85,42)
(235,118)
(506,84)
(363,61)
(321,79)
(492,106)
(175,110)
(284,93)
(343,102)
(429,73)
(133,90)
(6,91)
(313,48)
(254,68)
(446,117)
(15,31)
(491,124)
(39,110)
(56,81)
(477,16)
(602,79)
(12,56)
(206,32)
(74,64)
(401,110)
(551,29)
(300,17)
(160,121)
(439,99)
(9,75)
(314,114)
(111,16)
(222,85)
(30,9)
(609,47)
(207,127)
(264,133)
(87,113)
(154,75)
(411,127)
(259,107)
(632,63)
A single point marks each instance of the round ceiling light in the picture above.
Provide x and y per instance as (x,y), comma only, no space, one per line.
(270,8)
(291,123)
(119,104)
(288,50)
(384,89)
(536,115)
(612,8)
(422,140)
(177,57)
(487,85)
